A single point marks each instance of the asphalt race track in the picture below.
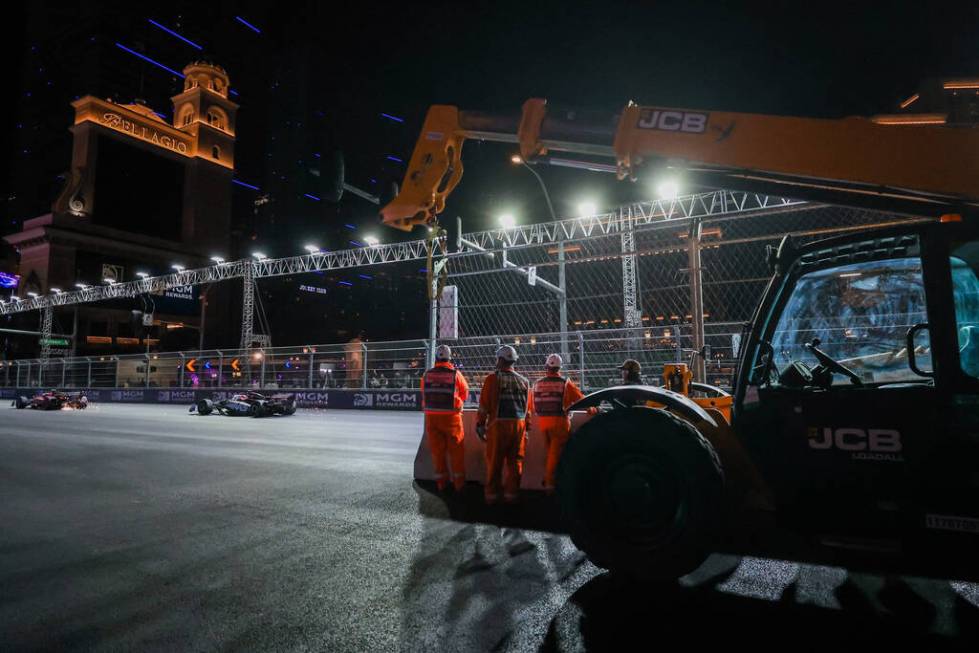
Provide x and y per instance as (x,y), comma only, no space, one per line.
(146,528)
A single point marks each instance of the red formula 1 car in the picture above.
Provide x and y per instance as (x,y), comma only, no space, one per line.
(52,400)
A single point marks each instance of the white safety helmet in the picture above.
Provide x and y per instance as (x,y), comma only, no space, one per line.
(507,353)
(443,353)
(553,361)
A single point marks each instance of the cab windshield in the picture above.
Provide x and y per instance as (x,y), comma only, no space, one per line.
(860,313)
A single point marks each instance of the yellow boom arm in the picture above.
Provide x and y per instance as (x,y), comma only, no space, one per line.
(923,168)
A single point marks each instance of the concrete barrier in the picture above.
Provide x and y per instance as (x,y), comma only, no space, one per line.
(535,457)
(325,398)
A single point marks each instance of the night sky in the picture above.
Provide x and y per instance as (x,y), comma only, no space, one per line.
(343,68)
(814,59)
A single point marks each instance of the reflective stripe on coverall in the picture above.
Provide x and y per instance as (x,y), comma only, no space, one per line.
(552,396)
(444,391)
(503,402)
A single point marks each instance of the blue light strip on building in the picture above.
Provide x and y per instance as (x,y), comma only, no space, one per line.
(145,58)
(350,227)
(356,243)
(312,197)
(394,118)
(241,183)
(344,283)
(365,276)
(248,25)
(172,33)
(9,280)
(391,157)
(233,92)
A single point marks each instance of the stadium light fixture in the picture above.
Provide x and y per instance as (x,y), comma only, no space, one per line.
(587,209)
(142,275)
(259,256)
(56,291)
(507,221)
(178,267)
(371,240)
(516,159)
(218,260)
(81,286)
(312,249)
(31,294)
(667,188)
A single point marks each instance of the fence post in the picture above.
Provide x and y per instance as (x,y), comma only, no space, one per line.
(180,370)
(363,347)
(562,300)
(146,372)
(581,360)
(261,374)
(116,359)
(64,371)
(696,300)
(220,368)
(311,363)
(89,384)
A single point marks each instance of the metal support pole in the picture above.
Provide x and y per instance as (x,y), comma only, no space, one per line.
(146,372)
(200,339)
(47,319)
(89,384)
(697,300)
(581,361)
(363,379)
(74,332)
(261,378)
(562,300)
(116,359)
(631,311)
(64,371)
(220,368)
(433,316)
(180,371)
(247,305)
(311,363)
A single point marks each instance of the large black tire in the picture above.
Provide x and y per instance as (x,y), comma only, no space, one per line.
(256,410)
(205,406)
(290,408)
(22,402)
(642,491)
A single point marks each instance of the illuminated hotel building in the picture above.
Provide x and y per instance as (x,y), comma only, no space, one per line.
(142,195)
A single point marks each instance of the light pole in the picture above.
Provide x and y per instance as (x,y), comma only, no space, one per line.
(563,296)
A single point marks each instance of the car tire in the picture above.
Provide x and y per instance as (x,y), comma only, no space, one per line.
(255,410)
(21,402)
(289,408)
(205,406)
(642,491)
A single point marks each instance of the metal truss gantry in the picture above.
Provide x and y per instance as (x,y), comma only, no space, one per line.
(624,221)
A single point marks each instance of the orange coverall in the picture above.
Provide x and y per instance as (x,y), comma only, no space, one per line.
(503,407)
(552,396)
(444,391)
